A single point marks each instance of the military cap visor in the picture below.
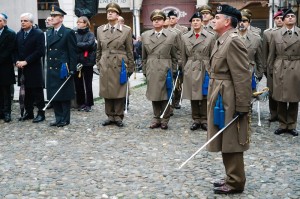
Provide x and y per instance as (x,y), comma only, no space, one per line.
(4,15)
(158,14)
(55,10)
(229,11)
(114,7)
(205,9)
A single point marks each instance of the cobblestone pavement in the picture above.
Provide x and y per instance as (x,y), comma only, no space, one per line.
(86,160)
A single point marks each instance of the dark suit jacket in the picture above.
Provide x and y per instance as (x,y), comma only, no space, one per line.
(7,41)
(61,48)
(31,49)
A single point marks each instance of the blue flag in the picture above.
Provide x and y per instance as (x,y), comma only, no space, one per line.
(169,83)
(123,73)
(64,71)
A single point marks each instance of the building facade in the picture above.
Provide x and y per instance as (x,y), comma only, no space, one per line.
(137,12)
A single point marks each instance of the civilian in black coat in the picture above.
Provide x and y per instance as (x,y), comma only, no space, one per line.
(7,75)
(61,49)
(86,55)
(30,48)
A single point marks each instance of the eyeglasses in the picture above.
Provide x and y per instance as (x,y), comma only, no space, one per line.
(290,15)
(24,20)
(245,21)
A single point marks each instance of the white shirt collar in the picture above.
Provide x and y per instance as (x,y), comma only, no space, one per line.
(57,29)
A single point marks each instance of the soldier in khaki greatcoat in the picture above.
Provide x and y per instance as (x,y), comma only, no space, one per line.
(252,28)
(173,25)
(159,55)
(253,43)
(230,77)
(114,45)
(196,50)
(266,45)
(284,59)
(207,14)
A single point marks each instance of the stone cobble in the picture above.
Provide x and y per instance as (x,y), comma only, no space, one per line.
(87,160)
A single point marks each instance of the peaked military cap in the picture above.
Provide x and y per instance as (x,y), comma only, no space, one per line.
(55,10)
(246,14)
(229,11)
(196,15)
(278,13)
(172,13)
(205,8)
(114,7)
(157,14)
(289,11)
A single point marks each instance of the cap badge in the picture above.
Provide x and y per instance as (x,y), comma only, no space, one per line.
(52,8)
(219,8)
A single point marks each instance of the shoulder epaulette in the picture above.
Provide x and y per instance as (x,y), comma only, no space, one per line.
(233,35)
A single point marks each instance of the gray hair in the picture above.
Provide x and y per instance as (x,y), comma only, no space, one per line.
(233,20)
(3,17)
(29,16)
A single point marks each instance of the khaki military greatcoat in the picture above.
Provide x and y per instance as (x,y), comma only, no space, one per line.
(159,55)
(195,59)
(284,60)
(231,77)
(111,49)
(253,44)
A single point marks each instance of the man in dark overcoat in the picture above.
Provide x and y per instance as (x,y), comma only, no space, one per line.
(61,49)
(7,75)
(30,48)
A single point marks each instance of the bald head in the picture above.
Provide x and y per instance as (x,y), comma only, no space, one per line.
(121,20)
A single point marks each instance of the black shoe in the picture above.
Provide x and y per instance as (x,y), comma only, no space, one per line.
(7,117)
(62,124)
(38,118)
(204,126)
(119,123)
(219,183)
(177,106)
(164,126)
(293,132)
(53,123)
(107,122)
(226,190)
(279,131)
(195,126)
(26,116)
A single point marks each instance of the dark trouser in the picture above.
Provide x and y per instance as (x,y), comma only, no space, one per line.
(235,171)
(177,91)
(158,109)
(83,86)
(287,114)
(5,99)
(62,111)
(199,111)
(273,107)
(34,95)
(114,109)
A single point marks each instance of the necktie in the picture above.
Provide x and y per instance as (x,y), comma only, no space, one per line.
(112,29)
(290,33)
(55,32)
(25,34)
(197,35)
